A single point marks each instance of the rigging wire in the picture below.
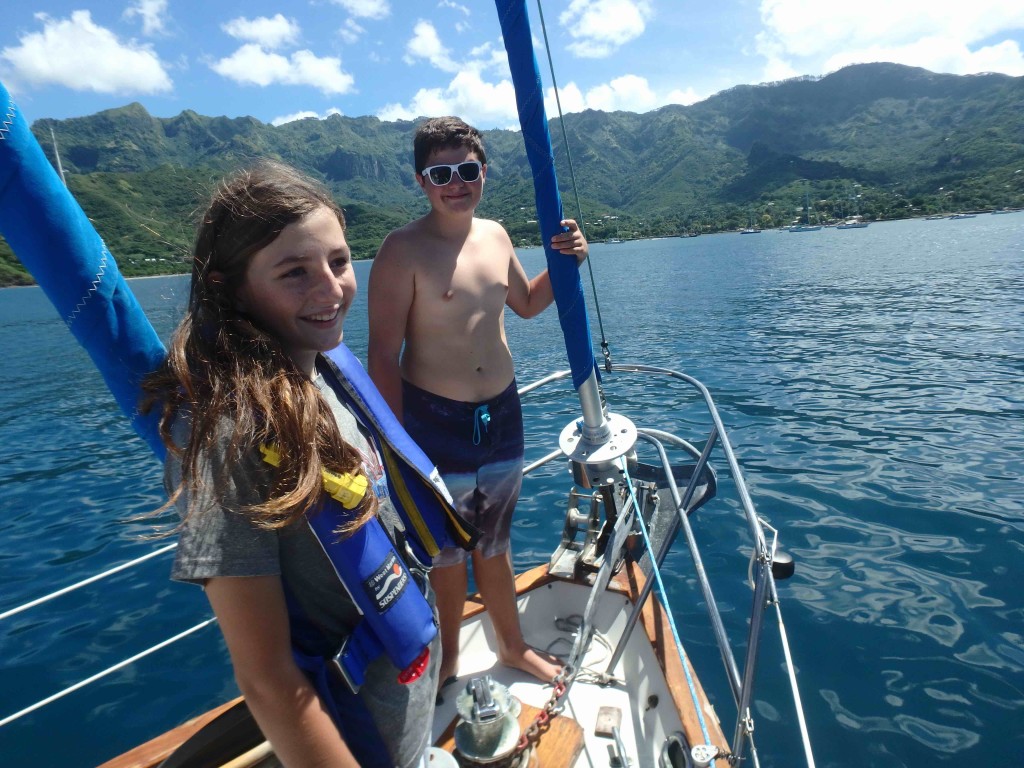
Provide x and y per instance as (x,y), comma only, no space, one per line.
(605,350)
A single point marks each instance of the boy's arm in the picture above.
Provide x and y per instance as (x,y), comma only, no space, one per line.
(389,297)
(528,298)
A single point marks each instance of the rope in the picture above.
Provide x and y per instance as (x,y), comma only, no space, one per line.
(104,673)
(84,582)
(575,188)
(665,605)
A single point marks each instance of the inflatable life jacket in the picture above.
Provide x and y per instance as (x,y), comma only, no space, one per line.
(57,243)
(414,483)
(396,618)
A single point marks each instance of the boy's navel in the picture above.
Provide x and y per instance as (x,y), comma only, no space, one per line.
(448,294)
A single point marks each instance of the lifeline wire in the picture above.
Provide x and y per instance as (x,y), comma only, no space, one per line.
(104,673)
(575,188)
(83,582)
(790,668)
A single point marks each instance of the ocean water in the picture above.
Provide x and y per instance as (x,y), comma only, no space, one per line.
(870,382)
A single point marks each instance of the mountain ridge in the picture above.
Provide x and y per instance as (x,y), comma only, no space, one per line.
(908,141)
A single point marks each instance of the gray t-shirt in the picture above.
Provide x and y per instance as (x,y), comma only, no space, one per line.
(217,540)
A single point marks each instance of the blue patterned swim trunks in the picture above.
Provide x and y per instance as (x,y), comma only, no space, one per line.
(478,449)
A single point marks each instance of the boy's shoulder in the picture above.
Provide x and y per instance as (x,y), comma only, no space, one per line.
(489,225)
(402,240)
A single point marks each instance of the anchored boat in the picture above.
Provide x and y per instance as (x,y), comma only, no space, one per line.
(629,694)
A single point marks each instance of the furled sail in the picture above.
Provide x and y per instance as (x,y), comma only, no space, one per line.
(565,276)
(57,244)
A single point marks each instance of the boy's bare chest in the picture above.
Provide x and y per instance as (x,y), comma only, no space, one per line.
(468,284)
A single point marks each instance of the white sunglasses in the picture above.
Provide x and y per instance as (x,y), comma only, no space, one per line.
(440,175)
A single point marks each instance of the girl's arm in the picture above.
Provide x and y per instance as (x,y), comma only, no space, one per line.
(253,618)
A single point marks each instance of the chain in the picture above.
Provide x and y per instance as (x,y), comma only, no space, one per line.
(551,710)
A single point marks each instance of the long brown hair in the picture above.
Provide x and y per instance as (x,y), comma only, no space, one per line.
(222,368)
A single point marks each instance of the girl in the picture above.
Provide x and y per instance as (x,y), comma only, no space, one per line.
(272,281)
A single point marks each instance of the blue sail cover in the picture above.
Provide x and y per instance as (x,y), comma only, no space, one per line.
(57,244)
(565,276)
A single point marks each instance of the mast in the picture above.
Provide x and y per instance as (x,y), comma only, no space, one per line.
(588,443)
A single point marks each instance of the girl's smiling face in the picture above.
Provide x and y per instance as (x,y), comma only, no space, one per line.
(300,287)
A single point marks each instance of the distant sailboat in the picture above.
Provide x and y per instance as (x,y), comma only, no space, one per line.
(56,154)
(750,229)
(856,221)
(806,226)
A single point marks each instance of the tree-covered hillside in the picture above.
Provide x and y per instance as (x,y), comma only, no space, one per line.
(890,140)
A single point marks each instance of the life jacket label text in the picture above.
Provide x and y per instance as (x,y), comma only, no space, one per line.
(386,584)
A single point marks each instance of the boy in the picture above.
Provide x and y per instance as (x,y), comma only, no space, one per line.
(439,285)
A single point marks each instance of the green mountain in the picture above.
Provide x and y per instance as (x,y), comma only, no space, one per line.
(908,141)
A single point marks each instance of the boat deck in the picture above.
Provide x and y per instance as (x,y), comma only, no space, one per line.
(653,697)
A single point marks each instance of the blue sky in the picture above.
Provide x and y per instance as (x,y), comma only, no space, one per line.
(399,59)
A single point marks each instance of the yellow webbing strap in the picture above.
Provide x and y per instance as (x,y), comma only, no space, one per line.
(347,489)
(402,491)
(406,500)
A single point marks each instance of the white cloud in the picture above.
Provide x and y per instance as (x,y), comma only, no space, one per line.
(350,31)
(570,98)
(686,98)
(454,6)
(801,36)
(365,9)
(251,65)
(478,102)
(78,54)
(600,27)
(305,114)
(152,13)
(493,104)
(426,44)
(939,55)
(630,93)
(271,33)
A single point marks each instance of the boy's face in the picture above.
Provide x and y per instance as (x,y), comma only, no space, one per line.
(457,196)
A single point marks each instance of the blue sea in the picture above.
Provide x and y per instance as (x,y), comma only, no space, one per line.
(870,381)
